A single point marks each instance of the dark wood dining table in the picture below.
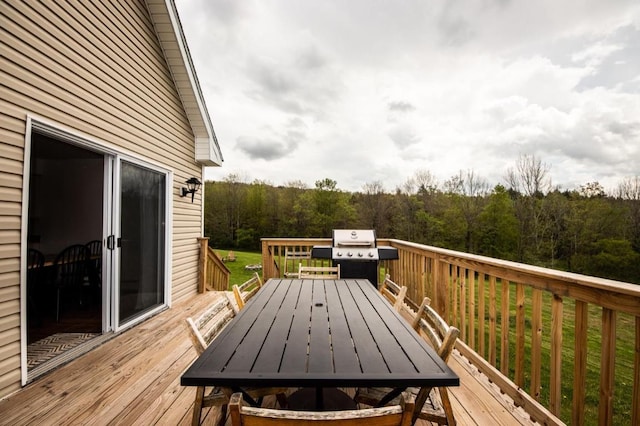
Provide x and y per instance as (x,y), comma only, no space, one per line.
(318,334)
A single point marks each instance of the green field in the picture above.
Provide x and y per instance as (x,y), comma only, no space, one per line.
(243,258)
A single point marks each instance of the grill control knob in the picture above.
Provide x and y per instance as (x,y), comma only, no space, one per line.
(370,254)
(339,254)
(350,254)
(360,254)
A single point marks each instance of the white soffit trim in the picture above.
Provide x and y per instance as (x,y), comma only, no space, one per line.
(176,52)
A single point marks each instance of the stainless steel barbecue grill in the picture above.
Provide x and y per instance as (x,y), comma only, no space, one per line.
(356,251)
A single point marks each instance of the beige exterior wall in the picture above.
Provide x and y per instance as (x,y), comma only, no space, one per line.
(100,72)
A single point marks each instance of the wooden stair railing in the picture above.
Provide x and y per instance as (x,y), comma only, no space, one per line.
(213,274)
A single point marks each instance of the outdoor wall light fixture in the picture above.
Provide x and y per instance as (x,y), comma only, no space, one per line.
(193,184)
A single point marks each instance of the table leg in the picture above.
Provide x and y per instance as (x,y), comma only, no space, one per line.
(247,397)
(390,396)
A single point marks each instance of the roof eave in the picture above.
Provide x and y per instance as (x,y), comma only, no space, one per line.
(174,45)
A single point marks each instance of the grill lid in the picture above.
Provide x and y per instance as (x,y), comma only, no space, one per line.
(354,244)
(354,238)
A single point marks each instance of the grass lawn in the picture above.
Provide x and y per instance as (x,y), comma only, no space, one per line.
(243,258)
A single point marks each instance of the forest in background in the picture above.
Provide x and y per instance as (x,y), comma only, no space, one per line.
(526,219)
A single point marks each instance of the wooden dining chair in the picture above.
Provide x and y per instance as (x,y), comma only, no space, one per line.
(93,276)
(319,272)
(94,263)
(35,283)
(292,259)
(395,415)
(393,292)
(70,270)
(202,330)
(432,404)
(247,289)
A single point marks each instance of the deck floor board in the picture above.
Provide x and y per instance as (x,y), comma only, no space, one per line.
(134,378)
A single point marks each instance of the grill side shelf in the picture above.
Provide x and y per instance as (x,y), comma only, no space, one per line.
(321,252)
(387,253)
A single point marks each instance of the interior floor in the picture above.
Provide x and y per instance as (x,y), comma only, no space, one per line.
(80,319)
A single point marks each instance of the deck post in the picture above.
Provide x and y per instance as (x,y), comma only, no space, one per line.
(267,261)
(202,263)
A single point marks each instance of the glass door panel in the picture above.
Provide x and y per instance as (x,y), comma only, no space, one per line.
(142,241)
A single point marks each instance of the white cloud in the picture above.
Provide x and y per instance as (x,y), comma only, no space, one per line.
(594,55)
(359,92)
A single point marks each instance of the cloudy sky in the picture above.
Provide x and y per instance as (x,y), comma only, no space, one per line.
(364,91)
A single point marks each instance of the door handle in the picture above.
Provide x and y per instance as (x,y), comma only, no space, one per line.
(111,242)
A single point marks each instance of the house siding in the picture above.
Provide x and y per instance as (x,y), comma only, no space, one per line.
(99,71)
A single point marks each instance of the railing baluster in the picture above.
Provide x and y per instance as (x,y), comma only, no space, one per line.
(441,289)
(426,265)
(607,367)
(504,341)
(536,344)
(555,386)
(635,408)
(520,354)
(437,286)
(462,274)
(481,312)
(581,321)
(471,314)
(455,285)
(492,320)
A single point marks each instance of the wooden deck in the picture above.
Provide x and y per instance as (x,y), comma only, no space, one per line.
(134,378)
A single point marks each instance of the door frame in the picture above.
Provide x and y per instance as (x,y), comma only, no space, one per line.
(113,155)
(116,230)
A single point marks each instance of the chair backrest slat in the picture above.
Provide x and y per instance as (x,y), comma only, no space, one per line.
(95,247)
(291,259)
(204,328)
(394,415)
(247,290)
(441,335)
(393,292)
(35,259)
(319,272)
(35,263)
(71,264)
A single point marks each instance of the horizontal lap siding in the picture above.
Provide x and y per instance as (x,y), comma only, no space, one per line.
(100,71)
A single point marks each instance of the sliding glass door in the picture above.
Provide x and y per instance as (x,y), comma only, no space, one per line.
(112,210)
(141,243)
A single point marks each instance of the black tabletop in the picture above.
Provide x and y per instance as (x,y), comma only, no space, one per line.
(318,333)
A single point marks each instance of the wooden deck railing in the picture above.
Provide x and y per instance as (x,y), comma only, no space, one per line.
(559,344)
(274,253)
(213,274)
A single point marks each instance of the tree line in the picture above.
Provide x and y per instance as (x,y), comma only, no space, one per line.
(526,219)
